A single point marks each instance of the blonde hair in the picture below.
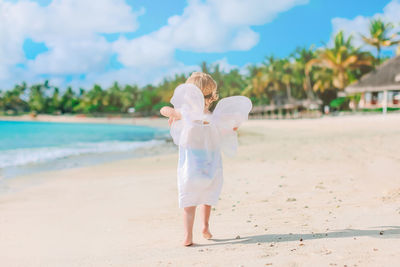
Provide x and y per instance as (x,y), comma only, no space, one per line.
(206,84)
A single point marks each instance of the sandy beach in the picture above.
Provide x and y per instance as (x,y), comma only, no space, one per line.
(312,192)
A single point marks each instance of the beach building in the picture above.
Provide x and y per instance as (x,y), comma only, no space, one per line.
(380,88)
(285,109)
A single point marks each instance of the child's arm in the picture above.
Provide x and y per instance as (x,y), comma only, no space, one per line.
(171,113)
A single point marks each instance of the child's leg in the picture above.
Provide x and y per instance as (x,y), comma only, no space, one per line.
(188,219)
(206,210)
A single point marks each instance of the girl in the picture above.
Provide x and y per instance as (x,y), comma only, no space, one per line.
(201,135)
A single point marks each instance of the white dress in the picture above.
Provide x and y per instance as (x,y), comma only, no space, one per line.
(200,145)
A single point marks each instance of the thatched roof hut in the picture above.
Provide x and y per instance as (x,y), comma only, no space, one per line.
(380,87)
(384,77)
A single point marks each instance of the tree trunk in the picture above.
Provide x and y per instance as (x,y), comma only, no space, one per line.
(310,95)
(289,92)
(379,55)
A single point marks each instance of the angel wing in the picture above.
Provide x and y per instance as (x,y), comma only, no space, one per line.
(229,113)
(189,101)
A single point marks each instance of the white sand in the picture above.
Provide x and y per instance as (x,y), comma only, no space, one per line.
(332,182)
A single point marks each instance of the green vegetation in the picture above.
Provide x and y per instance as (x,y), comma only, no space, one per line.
(307,73)
(379,36)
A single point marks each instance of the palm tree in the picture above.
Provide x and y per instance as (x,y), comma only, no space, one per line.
(343,58)
(204,67)
(53,103)
(233,84)
(93,100)
(2,102)
(130,97)
(272,71)
(287,77)
(379,36)
(323,80)
(13,99)
(148,101)
(168,85)
(68,101)
(113,97)
(37,97)
(279,77)
(301,57)
(228,83)
(272,78)
(256,85)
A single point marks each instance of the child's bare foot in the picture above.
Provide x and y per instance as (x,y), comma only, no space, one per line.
(188,241)
(206,233)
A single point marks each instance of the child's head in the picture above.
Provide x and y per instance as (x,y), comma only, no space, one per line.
(206,84)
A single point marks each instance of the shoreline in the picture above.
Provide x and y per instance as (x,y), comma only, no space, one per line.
(163,122)
(152,122)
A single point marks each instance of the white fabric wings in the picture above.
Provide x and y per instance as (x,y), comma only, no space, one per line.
(191,132)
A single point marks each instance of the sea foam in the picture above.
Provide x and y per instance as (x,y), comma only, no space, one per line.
(23,156)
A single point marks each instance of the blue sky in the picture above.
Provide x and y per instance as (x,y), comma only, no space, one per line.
(136,41)
(300,26)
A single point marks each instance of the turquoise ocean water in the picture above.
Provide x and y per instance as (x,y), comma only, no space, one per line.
(31,144)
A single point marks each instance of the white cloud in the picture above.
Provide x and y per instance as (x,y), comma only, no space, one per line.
(224,65)
(255,12)
(143,52)
(245,39)
(69,28)
(81,17)
(211,26)
(143,76)
(73,57)
(135,75)
(72,30)
(360,24)
(13,29)
(392,11)
(354,27)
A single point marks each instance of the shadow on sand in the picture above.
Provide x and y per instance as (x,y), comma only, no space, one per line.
(377,232)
